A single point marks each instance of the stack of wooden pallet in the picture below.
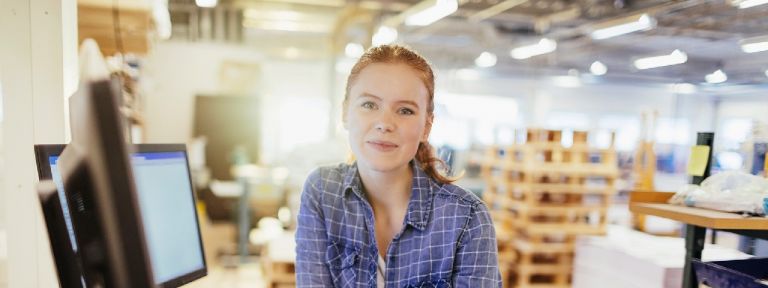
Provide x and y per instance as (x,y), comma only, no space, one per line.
(543,194)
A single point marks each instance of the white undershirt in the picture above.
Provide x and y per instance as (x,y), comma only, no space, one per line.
(380,273)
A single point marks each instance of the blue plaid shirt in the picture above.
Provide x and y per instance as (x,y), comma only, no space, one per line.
(448,239)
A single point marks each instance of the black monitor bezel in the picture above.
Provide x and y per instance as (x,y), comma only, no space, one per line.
(44,151)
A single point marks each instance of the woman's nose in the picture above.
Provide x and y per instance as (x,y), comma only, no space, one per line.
(385,123)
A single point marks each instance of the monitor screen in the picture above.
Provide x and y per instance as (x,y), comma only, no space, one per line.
(167,205)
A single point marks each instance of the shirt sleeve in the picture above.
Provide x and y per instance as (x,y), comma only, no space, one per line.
(477,263)
(311,239)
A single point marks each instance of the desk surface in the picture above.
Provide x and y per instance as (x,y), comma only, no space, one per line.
(701,217)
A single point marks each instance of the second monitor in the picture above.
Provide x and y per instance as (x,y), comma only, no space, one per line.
(167,206)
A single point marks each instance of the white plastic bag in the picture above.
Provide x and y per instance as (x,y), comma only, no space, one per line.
(730,191)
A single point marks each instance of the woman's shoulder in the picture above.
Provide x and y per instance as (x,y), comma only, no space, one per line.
(335,171)
(328,178)
(457,193)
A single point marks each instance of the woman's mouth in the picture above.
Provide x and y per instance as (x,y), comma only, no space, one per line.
(383,146)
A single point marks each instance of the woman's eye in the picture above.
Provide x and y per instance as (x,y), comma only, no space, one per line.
(368,105)
(406,111)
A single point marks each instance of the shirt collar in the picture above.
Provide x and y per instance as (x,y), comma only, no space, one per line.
(420,204)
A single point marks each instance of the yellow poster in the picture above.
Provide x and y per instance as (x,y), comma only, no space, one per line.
(697,163)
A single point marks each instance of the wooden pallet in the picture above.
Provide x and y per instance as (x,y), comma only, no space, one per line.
(278,274)
(542,269)
(541,195)
(278,261)
(540,261)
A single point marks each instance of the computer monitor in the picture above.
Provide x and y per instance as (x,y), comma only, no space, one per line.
(167,204)
(106,243)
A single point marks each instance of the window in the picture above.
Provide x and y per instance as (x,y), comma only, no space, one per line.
(673,131)
(627,129)
(461,120)
(733,132)
(568,120)
(310,127)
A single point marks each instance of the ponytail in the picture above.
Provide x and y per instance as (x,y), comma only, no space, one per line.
(431,164)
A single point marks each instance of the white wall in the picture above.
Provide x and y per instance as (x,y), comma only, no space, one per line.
(38,43)
(2,173)
(175,72)
(3,237)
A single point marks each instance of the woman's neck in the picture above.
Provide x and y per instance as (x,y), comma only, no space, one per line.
(387,190)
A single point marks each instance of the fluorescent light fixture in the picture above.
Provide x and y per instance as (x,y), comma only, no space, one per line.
(544,46)
(384,35)
(674,58)
(716,77)
(754,44)
(598,68)
(766,73)
(207,3)
(485,60)
(744,4)
(683,88)
(572,80)
(354,50)
(637,23)
(429,11)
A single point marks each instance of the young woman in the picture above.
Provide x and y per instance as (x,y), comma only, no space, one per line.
(391,219)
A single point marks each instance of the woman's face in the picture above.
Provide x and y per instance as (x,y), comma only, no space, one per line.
(386,115)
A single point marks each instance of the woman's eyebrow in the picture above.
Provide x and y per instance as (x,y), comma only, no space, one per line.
(369,95)
(409,102)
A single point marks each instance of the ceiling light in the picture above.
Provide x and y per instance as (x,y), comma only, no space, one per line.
(766,73)
(572,80)
(206,3)
(429,11)
(624,26)
(354,50)
(754,44)
(598,68)
(486,59)
(683,88)
(384,35)
(674,58)
(743,4)
(716,77)
(544,46)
